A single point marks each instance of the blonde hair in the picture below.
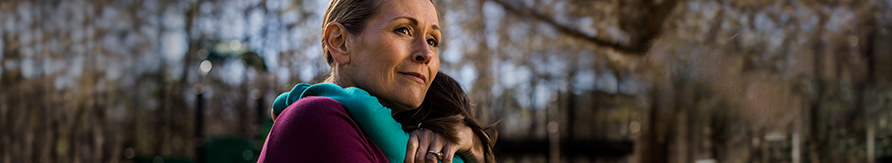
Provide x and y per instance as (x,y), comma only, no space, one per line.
(352,14)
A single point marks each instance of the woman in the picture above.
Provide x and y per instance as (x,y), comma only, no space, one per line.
(391,55)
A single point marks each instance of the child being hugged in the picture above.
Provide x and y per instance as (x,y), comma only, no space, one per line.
(445,107)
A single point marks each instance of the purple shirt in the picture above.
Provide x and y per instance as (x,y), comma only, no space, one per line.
(318,129)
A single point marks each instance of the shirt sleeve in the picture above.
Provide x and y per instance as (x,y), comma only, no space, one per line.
(373,119)
(318,129)
(378,121)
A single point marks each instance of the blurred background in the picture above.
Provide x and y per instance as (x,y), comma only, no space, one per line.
(676,81)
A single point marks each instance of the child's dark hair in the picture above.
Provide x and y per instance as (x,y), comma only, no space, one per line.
(445,107)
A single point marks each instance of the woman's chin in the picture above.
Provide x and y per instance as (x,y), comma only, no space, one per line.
(406,96)
(412,104)
(403,103)
(413,94)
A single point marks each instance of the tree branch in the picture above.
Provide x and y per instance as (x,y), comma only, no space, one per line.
(567,30)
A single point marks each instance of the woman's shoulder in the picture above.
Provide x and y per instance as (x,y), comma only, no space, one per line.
(286,99)
(330,89)
(317,105)
(318,129)
(351,97)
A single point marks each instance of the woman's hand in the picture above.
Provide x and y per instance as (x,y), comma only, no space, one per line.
(422,141)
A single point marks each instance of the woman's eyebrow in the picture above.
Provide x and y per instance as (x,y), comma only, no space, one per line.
(435,27)
(413,21)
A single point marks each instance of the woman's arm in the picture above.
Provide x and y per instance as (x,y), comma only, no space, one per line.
(372,117)
(469,147)
(364,109)
(378,121)
(473,150)
(318,129)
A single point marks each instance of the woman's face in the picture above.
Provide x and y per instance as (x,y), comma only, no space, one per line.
(395,57)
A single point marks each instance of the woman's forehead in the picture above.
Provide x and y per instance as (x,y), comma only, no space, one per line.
(422,11)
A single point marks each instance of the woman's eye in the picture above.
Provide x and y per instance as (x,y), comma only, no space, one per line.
(432,42)
(403,30)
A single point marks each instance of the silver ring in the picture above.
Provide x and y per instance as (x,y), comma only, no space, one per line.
(439,154)
(419,125)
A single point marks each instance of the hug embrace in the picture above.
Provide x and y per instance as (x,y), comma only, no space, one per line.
(384,99)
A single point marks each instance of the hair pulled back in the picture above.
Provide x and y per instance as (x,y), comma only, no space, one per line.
(352,14)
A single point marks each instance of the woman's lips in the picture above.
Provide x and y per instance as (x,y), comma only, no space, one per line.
(418,77)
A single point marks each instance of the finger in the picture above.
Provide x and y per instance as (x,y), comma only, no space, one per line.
(412,147)
(423,144)
(436,146)
(449,152)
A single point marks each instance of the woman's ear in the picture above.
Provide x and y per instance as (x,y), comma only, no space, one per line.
(336,41)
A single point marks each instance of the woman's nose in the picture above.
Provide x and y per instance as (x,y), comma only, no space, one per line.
(423,54)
